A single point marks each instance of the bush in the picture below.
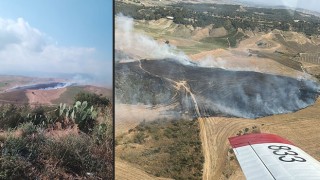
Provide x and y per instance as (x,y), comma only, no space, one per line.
(139,138)
(28,151)
(11,115)
(12,167)
(37,155)
(92,99)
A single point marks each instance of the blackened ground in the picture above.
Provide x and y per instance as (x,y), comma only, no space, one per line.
(198,91)
(52,85)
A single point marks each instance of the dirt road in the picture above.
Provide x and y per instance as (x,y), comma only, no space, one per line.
(214,133)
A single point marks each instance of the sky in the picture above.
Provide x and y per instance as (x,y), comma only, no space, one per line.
(313,5)
(55,38)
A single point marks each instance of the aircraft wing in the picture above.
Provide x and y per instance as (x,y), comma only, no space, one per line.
(268,156)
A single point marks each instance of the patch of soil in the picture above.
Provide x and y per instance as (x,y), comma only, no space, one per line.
(44,96)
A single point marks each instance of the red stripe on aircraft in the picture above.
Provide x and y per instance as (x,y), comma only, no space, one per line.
(249,139)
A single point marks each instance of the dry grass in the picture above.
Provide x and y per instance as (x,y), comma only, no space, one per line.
(129,116)
(128,171)
(44,96)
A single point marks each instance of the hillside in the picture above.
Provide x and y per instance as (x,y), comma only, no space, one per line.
(29,90)
(168,2)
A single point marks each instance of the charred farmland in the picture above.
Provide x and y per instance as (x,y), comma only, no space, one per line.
(44,86)
(200,91)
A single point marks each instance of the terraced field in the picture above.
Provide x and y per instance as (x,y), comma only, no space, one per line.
(187,38)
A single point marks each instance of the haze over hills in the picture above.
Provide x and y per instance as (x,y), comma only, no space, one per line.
(295,5)
(292,5)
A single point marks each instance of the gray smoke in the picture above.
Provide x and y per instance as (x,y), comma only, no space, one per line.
(235,92)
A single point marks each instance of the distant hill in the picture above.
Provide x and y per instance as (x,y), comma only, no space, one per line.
(28,90)
(68,95)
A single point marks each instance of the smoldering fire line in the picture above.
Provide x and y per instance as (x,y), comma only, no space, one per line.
(198,91)
(44,86)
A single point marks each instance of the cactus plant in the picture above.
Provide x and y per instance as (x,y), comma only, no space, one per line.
(83,116)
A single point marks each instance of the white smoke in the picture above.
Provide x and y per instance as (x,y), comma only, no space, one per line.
(140,46)
(58,86)
(209,61)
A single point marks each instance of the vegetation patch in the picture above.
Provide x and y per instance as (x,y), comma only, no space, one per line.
(64,142)
(234,16)
(164,148)
(3,84)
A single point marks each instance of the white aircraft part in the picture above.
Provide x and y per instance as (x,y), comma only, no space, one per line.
(267,156)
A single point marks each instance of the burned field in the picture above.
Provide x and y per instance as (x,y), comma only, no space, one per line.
(43,86)
(196,91)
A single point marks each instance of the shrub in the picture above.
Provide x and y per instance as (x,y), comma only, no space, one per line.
(13,167)
(27,128)
(92,99)
(139,138)
(30,153)
(11,116)
(78,155)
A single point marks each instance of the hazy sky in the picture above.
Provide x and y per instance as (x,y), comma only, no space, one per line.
(61,36)
(306,4)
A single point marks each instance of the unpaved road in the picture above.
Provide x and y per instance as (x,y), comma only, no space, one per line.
(214,133)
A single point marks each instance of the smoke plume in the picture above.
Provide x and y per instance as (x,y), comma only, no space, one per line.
(207,88)
(140,46)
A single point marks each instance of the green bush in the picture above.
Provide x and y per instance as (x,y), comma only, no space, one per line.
(13,167)
(11,115)
(139,138)
(92,99)
(37,155)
